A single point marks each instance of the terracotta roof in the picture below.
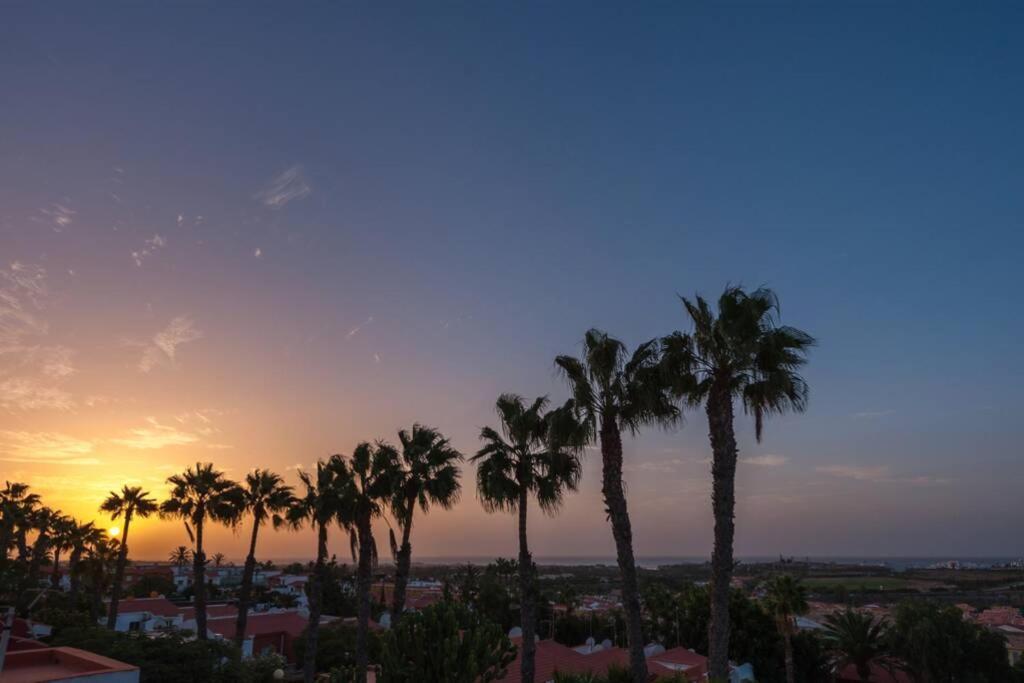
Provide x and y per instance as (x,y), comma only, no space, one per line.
(159,606)
(291,623)
(212,612)
(554,657)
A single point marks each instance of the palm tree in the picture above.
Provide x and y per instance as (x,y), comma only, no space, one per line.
(218,559)
(265,496)
(44,522)
(371,476)
(180,556)
(199,494)
(530,457)
(787,599)
(99,566)
(82,537)
(16,506)
(429,474)
(742,353)
(319,505)
(63,528)
(613,392)
(131,502)
(857,639)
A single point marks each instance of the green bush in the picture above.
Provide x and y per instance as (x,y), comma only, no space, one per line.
(445,643)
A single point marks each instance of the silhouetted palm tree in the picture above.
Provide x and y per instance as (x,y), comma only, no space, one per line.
(787,599)
(132,501)
(742,353)
(614,391)
(857,639)
(197,495)
(320,505)
(17,503)
(371,475)
(62,528)
(98,570)
(83,537)
(265,496)
(180,556)
(429,474)
(532,456)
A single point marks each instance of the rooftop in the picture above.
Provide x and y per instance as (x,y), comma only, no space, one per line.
(63,664)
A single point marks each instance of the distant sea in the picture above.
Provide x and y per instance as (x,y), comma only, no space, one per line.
(655,561)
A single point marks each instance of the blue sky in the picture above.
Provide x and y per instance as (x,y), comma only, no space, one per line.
(323,222)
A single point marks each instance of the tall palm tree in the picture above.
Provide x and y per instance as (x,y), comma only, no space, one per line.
(63,528)
(787,599)
(132,501)
(199,494)
(857,639)
(264,496)
(83,537)
(429,474)
(320,504)
(740,353)
(614,391)
(371,476)
(531,456)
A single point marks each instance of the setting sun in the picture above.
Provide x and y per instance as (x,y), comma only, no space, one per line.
(114,531)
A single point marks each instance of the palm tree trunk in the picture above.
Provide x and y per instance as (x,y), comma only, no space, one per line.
(615,502)
(245,591)
(316,591)
(526,598)
(96,604)
(73,562)
(723,503)
(404,561)
(122,560)
(31,580)
(363,580)
(787,638)
(199,581)
(55,574)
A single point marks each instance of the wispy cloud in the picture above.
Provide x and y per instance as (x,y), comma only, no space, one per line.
(879,474)
(659,466)
(165,343)
(46,447)
(257,252)
(156,435)
(149,246)
(286,187)
(355,330)
(860,473)
(872,414)
(26,393)
(59,215)
(767,460)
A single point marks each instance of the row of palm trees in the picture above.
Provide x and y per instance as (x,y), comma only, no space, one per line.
(739,353)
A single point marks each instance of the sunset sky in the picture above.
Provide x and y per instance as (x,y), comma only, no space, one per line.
(259,235)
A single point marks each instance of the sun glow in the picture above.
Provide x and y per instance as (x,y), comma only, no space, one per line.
(113,531)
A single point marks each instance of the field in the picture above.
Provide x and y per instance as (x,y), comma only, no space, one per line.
(861,583)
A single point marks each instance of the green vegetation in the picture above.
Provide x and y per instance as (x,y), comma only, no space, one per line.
(445,643)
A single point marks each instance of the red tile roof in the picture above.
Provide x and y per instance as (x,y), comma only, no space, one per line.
(551,657)
(291,623)
(159,606)
(212,612)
